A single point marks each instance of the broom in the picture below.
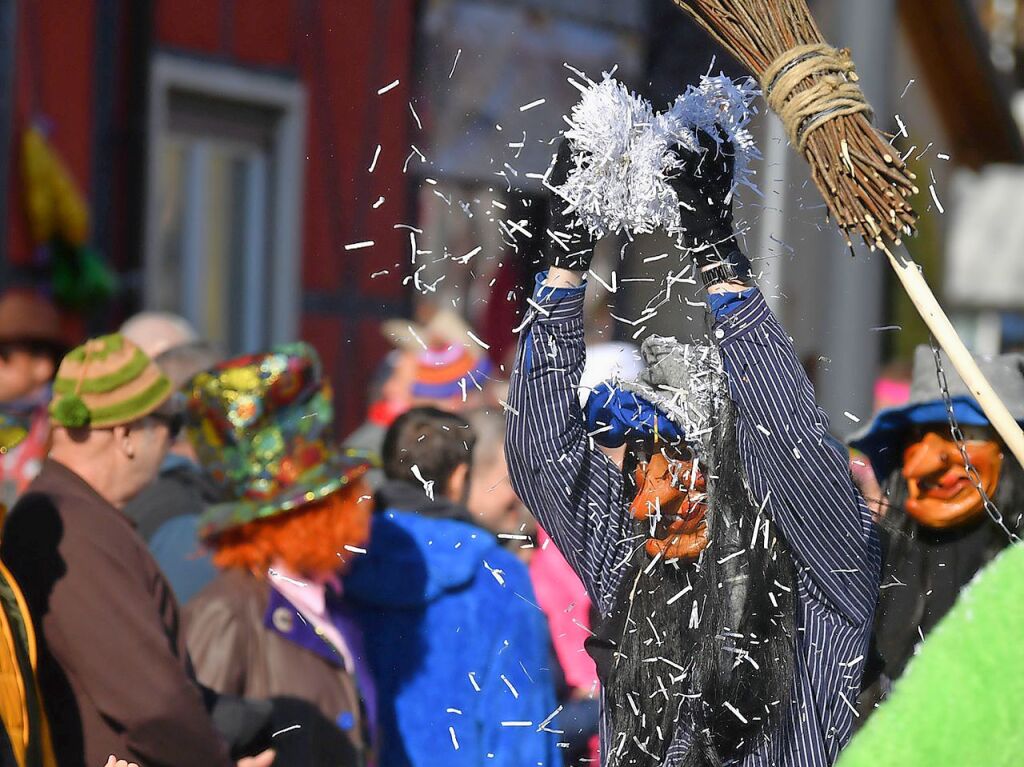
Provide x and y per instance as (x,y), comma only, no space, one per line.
(813,88)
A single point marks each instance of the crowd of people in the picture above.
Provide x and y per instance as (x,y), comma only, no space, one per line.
(672,566)
(205,574)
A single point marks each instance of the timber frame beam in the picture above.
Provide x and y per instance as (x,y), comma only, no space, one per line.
(971,100)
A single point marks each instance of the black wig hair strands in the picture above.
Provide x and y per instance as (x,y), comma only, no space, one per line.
(719,660)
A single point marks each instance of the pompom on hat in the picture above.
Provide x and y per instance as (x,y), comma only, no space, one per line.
(106,382)
(262,426)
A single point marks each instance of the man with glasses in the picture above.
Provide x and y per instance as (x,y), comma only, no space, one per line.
(113,668)
(166,513)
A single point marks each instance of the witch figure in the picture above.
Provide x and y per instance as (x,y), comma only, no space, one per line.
(734,564)
(936,532)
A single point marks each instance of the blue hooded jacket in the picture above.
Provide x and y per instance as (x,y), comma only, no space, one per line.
(457,646)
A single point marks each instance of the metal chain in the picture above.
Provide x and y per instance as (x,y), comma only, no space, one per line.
(961,443)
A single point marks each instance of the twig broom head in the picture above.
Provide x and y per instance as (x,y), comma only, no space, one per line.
(814,90)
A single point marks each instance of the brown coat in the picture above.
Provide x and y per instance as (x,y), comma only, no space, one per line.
(113,668)
(245,639)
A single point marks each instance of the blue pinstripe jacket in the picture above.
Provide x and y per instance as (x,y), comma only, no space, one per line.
(794,467)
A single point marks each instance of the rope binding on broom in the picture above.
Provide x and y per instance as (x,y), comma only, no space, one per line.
(811,84)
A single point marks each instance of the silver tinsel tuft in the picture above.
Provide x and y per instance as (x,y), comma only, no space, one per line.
(719,101)
(618,182)
(624,153)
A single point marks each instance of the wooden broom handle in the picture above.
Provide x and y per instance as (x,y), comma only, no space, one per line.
(943,331)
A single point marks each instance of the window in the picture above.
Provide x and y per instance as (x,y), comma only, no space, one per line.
(222,243)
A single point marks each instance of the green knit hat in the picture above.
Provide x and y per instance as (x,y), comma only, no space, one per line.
(106,382)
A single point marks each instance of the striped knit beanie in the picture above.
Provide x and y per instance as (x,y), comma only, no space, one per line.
(106,382)
(444,373)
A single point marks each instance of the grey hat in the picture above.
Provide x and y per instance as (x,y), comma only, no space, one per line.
(883,438)
(686,382)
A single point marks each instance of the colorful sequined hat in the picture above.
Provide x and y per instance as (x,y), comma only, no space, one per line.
(262,428)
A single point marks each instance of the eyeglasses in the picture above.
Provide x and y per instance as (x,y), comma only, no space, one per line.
(9,348)
(174,423)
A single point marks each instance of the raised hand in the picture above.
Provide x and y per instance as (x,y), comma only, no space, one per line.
(568,244)
(260,760)
(704,185)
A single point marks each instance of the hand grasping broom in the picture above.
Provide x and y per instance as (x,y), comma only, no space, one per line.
(813,88)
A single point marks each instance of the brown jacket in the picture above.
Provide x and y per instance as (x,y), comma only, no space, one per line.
(113,668)
(246,639)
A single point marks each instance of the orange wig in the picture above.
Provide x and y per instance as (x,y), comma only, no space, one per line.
(310,540)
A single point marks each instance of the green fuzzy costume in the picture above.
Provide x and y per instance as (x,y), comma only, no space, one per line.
(961,699)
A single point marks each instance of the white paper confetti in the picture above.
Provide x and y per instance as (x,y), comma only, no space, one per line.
(624,154)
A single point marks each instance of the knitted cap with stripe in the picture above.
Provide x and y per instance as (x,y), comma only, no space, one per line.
(106,382)
(447,372)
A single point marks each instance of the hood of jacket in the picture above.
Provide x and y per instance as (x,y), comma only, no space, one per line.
(412,560)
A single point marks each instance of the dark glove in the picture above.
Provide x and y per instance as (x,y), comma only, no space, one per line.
(572,247)
(245,723)
(704,185)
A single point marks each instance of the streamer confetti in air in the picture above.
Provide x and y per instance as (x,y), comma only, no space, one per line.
(722,108)
(618,182)
(624,153)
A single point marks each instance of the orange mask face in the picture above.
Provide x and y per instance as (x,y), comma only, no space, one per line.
(672,496)
(940,492)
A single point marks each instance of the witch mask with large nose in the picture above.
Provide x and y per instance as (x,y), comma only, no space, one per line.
(664,418)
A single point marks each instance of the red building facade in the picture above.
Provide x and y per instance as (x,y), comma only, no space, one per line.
(224,147)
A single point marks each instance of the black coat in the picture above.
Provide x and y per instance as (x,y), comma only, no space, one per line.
(181,489)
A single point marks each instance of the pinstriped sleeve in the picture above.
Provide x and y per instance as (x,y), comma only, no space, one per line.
(572,488)
(792,461)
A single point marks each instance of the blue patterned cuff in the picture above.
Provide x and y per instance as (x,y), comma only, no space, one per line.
(547,293)
(733,319)
(723,304)
(551,303)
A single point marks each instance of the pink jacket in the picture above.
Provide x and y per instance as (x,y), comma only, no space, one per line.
(565,603)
